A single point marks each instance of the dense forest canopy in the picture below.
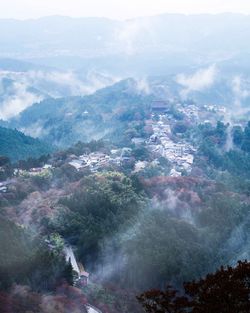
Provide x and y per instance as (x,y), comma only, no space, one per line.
(17,146)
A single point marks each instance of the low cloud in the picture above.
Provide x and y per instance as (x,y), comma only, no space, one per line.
(200,80)
(143,86)
(129,35)
(36,130)
(19,90)
(70,82)
(241,90)
(18,100)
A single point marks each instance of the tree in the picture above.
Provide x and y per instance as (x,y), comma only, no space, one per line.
(68,273)
(237,135)
(163,301)
(246,140)
(226,291)
(180,127)
(4,160)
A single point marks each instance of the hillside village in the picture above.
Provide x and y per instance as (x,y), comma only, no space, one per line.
(179,153)
(162,142)
(161,161)
(177,150)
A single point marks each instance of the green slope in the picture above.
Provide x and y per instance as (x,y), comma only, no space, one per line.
(17,146)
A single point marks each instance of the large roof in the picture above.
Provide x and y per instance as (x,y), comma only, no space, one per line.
(159,104)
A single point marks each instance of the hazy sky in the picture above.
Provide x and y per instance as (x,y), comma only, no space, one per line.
(119,9)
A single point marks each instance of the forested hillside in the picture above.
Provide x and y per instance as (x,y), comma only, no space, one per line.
(108,113)
(17,146)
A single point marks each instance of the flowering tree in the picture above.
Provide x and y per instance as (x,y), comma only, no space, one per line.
(226,291)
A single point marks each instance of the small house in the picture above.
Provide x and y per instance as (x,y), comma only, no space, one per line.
(83,276)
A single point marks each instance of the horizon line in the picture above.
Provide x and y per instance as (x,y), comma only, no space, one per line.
(122,19)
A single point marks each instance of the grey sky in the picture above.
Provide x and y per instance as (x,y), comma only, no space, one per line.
(119,9)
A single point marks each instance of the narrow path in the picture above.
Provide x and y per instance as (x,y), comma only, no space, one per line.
(69,254)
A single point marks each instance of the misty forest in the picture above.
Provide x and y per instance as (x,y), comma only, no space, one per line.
(125,164)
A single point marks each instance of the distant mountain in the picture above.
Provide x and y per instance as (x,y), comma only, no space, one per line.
(159,44)
(52,60)
(104,114)
(17,146)
(13,65)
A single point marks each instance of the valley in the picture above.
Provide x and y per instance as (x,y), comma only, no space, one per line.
(125,163)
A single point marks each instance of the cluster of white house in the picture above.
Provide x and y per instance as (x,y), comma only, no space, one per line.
(98,160)
(34,171)
(180,154)
(92,161)
(191,111)
(215,108)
